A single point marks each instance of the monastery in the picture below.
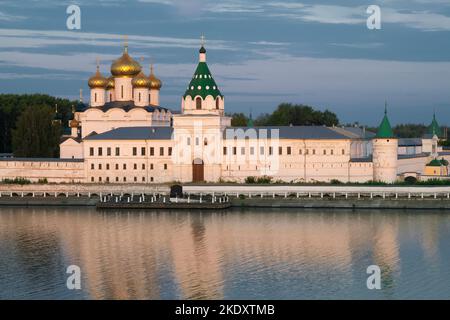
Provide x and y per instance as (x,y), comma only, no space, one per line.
(124,136)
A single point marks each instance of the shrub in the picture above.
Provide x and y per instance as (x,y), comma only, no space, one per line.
(250,180)
(21,181)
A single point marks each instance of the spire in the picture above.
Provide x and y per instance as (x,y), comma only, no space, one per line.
(434,128)
(385,129)
(125,44)
(202,49)
(250,120)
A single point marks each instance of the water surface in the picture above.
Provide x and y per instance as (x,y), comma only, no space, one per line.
(251,254)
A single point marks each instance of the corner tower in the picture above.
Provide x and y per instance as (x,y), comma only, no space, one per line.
(203,95)
(385,153)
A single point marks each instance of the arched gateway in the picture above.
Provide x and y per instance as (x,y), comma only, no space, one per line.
(198,173)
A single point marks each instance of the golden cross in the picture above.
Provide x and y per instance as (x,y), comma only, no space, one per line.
(125,43)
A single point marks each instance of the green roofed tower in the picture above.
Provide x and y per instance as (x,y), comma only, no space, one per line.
(385,129)
(203,95)
(434,128)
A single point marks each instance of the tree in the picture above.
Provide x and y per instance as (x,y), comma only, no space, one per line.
(239,120)
(36,134)
(12,105)
(297,115)
(410,130)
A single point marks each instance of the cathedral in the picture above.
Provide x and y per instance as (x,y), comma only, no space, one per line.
(124,136)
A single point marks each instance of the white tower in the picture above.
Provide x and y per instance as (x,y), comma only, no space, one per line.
(155,87)
(141,86)
(385,153)
(97,83)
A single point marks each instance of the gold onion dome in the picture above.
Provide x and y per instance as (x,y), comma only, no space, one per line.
(125,66)
(97,80)
(155,83)
(141,81)
(110,85)
(74,123)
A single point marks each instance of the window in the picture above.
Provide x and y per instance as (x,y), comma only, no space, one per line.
(92,166)
(261,150)
(134,151)
(300,152)
(143,151)
(198,103)
(135,166)
(224,151)
(143,179)
(332,151)
(165,166)
(108,152)
(243,151)
(152,151)
(161,151)
(100,179)
(314,151)
(117,166)
(124,166)
(197,141)
(188,142)
(110,97)
(117,179)
(117,151)
(205,142)
(343,151)
(100,166)
(151,166)
(217,103)
(121,89)
(234,151)
(289,150)
(307,151)
(324,152)
(270,151)
(280,150)
(135,179)
(170,151)
(107,179)
(91,152)
(92,179)
(95,97)
(151,179)
(139,97)
(143,166)
(100,152)
(252,150)
(124,179)
(107,166)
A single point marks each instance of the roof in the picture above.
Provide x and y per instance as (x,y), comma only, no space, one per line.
(41,160)
(435,163)
(128,105)
(294,132)
(134,133)
(434,128)
(385,129)
(413,156)
(410,142)
(355,132)
(202,83)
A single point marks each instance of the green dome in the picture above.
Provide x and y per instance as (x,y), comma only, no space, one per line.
(202,84)
(435,163)
(385,129)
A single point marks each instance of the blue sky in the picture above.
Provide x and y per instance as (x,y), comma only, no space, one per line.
(261,52)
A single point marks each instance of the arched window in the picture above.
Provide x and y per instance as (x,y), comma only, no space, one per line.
(95,97)
(139,97)
(198,102)
(110,97)
(121,88)
(217,103)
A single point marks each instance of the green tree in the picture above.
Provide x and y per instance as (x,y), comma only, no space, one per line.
(37,134)
(410,130)
(297,115)
(238,120)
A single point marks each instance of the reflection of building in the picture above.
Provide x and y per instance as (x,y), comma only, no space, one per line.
(125,136)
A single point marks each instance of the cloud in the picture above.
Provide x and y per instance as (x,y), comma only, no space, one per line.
(10,18)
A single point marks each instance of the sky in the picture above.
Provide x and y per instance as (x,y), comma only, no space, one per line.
(261,52)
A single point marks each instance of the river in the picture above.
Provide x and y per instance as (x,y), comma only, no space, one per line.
(236,254)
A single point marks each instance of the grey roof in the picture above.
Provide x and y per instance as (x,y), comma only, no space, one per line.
(294,132)
(355,132)
(410,142)
(444,153)
(135,133)
(127,106)
(367,159)
(413,156)
(41,160)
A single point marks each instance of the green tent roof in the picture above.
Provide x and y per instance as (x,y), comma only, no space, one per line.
(434,128)
(202,83)
(435,163)
(385,129)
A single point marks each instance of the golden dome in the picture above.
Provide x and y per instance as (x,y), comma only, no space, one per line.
(74,123)
(141,81)
(155,83)
(125,66)
(110,85)
(97,80)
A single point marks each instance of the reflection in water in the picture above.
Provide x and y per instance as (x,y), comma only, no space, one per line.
(237,254)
